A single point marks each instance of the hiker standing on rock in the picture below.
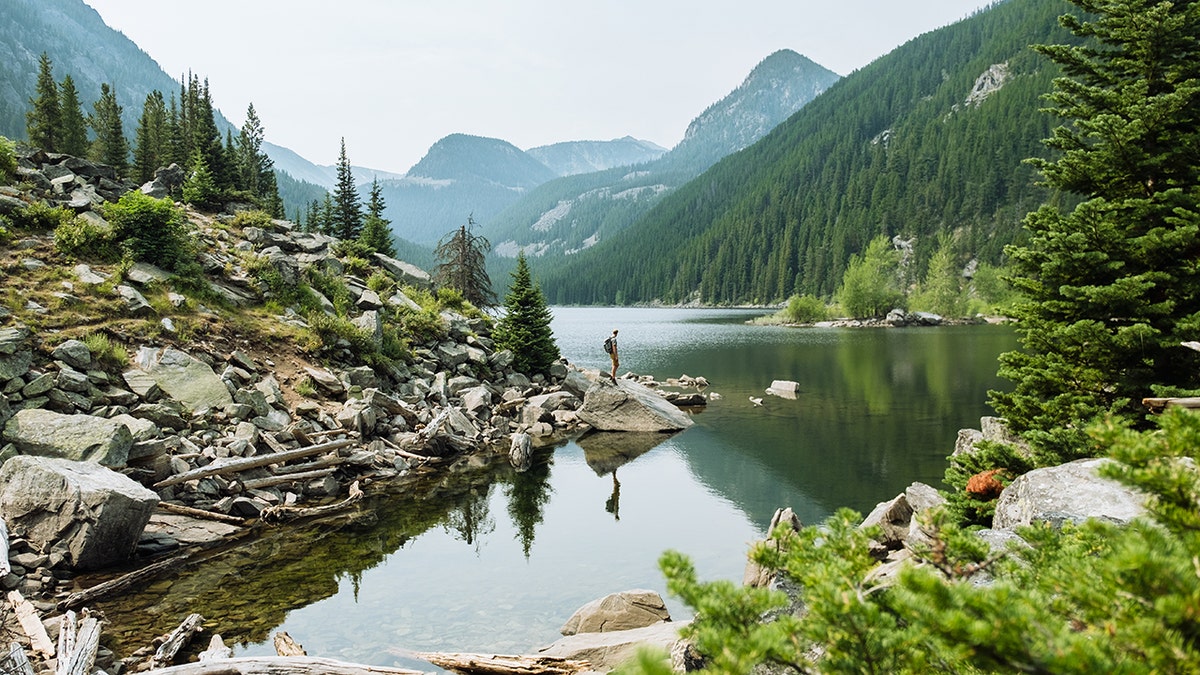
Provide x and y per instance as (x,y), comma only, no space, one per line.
(610,346)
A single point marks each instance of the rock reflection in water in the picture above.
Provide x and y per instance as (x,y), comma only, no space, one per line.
(607,451)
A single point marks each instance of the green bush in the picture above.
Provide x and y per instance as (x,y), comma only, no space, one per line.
(41,217)
(254,218)
(331,286)
(83,237)
(105,351)
(151,230)
(805,309)
(8,160)
(870,285)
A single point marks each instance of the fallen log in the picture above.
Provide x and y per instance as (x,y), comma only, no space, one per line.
(200,513)
(498,664)
(409,455)
(31,623)
(16,662)
(234,466)
(121,583)
(258,483)
(5,567)
(274,514)
(280,665)
(1157,405)
(77,644)
(177,640)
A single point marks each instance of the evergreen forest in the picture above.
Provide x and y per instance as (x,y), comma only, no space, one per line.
(898,148)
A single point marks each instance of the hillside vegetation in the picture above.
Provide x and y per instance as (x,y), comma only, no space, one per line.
(931,138)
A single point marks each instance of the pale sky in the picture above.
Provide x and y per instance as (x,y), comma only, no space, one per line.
(395,76)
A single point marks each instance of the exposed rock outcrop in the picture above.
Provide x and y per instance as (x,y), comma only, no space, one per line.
(628,406)
(616,612)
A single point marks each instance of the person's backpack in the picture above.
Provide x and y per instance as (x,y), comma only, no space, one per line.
(608,345)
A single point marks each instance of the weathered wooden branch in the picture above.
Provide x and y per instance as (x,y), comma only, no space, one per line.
(498,664)
(77,644)
(273,443)
(406,454)
(280,665)
(177,640)
(257,483)
(216,650)
(286,646)
(243,464)
(1157,405)
(5,568)
(281,513)
(27,616)
(332,459)
(200,513)
(121,583)
(15,662)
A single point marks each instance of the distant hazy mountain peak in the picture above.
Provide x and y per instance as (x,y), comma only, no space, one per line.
(571,158)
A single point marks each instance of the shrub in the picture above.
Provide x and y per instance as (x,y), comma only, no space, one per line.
(805,309)
(151,230)
(332,287)
(40,216)
(8,160)
(86,237)
(254,218)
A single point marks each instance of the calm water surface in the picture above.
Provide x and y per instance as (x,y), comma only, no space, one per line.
(494,561)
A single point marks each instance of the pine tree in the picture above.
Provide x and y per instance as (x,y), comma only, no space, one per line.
(200,187)
(348,218)
(328,216)
(74,139)
(463,267)
(312,219)
(1112,287)
(525,326)
(249,153)
(43,121)
(152,137)
(376,234)
(110,146)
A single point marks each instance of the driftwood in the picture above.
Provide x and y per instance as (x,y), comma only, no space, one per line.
(281,513)
(257,483)
(408,455)
(121,583)
(280,665)
(177,640)
(286,646)
(5,568)
(498,664)
(77,644)
(27,616)
(216,650)
(273,443)
(200,513)
(237,465)
(1157,405)
(16,662)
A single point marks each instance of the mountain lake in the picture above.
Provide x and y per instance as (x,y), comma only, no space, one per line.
(486,559)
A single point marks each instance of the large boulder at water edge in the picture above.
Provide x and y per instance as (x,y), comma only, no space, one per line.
(97,513)
(83,438)
(1071,492)
(629,406)
(637,608)
(189,381)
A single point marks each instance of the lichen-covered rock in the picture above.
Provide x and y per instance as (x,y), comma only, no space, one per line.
(97,513)
(81,438)
(1071,492)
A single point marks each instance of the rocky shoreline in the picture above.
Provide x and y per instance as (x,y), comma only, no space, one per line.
(202,435)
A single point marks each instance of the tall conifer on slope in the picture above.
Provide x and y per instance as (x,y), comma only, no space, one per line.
(1112,287)
(110,146)
(348,218)
(152,138)
(73,125)
(463,266)
(525,326)
(376,235)
(43,119)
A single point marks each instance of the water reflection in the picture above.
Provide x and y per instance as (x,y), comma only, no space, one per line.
(491,559)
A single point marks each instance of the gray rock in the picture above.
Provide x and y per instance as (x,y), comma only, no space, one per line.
(83,438)
(144,274)
(405,273)
(636,608)
(606,651)
(85,274)
(74,353)
(1071,492)
(98,514)
(189,381)
(135,302)
(893,518)
(371,323)
(629,406)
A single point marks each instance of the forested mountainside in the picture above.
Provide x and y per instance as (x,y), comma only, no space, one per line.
(927,139)
(575,157)
(573,213)
(81,45)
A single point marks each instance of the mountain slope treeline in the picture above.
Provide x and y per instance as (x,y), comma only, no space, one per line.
(930,138)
